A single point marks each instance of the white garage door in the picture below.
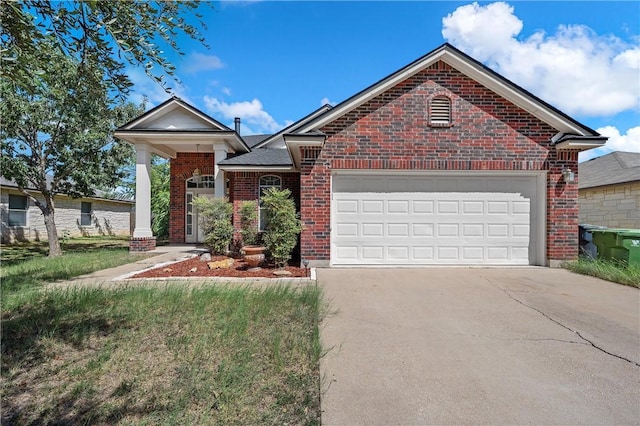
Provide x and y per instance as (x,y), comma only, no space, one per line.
(418,220)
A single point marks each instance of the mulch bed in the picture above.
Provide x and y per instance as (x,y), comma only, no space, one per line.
(237,270)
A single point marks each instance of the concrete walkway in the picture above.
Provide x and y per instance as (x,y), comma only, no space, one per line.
(479,346)
(160,255)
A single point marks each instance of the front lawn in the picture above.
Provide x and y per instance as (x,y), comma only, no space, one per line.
(607,270)
(143,355)
(213,355)
(19,252)
(22,277)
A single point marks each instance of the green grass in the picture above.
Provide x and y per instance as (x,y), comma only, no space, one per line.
(21,251)
(35,272)
(213,355)
(607,270)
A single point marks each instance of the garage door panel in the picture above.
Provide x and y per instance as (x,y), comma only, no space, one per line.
(412,228)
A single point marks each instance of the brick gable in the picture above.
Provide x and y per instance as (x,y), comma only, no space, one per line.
(392,131)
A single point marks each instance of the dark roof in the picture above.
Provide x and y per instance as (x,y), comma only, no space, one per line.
(616,167)
(261,157)
(253,140)
(8,183)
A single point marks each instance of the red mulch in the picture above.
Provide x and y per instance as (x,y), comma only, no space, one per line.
(238,270)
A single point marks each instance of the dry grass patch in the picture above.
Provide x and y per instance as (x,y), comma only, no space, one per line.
(153,356)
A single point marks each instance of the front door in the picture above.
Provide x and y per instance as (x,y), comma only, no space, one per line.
(204,187)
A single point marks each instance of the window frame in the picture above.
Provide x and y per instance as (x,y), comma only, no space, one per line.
(261,186)
(24,211)
(84,215)
(201,182)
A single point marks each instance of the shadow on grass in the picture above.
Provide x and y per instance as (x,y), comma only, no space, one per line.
(57,321)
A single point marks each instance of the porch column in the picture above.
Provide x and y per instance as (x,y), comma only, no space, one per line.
(143,239)
(220,153)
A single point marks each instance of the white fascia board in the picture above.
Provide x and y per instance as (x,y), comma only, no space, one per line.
(293,127)
(172,104)
(294,142)
(169,137)
(580,144)
(519,99)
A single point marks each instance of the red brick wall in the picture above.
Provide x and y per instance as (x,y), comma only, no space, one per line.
(243,186)
(392,131)
(181,169)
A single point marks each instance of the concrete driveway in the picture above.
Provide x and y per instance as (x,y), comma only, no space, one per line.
(479,346)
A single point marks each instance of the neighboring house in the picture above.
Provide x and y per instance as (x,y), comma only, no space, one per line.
(441,162)
(22,220)
(609,190)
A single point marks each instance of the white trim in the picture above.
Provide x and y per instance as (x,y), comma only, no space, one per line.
(293,126)
(172,104)
(579,144)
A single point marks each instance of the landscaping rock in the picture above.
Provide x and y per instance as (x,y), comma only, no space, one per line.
(205,257)
(192,270)
(281,272)
(221,264)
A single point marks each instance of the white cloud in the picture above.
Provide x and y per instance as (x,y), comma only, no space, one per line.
(574,69)
(226,91)
(629,142)
(325,101)
(254,118)
(197,62)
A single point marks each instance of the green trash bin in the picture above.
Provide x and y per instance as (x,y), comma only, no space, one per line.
(629,240)
(605,240)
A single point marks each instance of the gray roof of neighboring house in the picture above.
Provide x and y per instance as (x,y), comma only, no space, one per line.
(253,140)
(8,183)
(617,167)
(260,157)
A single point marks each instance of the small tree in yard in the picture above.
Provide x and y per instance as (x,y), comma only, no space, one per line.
(249,222)
(215,220)
(283,225)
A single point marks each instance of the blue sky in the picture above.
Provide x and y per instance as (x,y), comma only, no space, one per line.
(271,63)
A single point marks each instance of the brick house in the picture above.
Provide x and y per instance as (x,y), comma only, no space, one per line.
(609,190)
(441,162)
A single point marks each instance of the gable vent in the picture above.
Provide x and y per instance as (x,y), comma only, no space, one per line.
(440,111)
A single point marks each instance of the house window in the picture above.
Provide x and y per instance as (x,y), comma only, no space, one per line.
(265,183)
(85,214)
(206,181)
(440,111)
(18,206)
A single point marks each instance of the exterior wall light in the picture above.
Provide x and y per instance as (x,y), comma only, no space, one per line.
(568,175)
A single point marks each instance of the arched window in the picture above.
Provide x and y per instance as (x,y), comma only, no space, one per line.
(200,182)
(440,111)
(266,182)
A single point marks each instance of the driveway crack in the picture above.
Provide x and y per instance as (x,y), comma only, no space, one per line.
(576,332)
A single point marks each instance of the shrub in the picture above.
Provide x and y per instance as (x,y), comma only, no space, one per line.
(249,222)
(282,224)
(215,220)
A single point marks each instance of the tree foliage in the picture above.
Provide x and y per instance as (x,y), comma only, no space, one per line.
(215,219)
(249,222)
(101,35)
(56,135)
(283,224)
(160,197)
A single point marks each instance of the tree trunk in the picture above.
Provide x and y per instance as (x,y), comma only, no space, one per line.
(52,232)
